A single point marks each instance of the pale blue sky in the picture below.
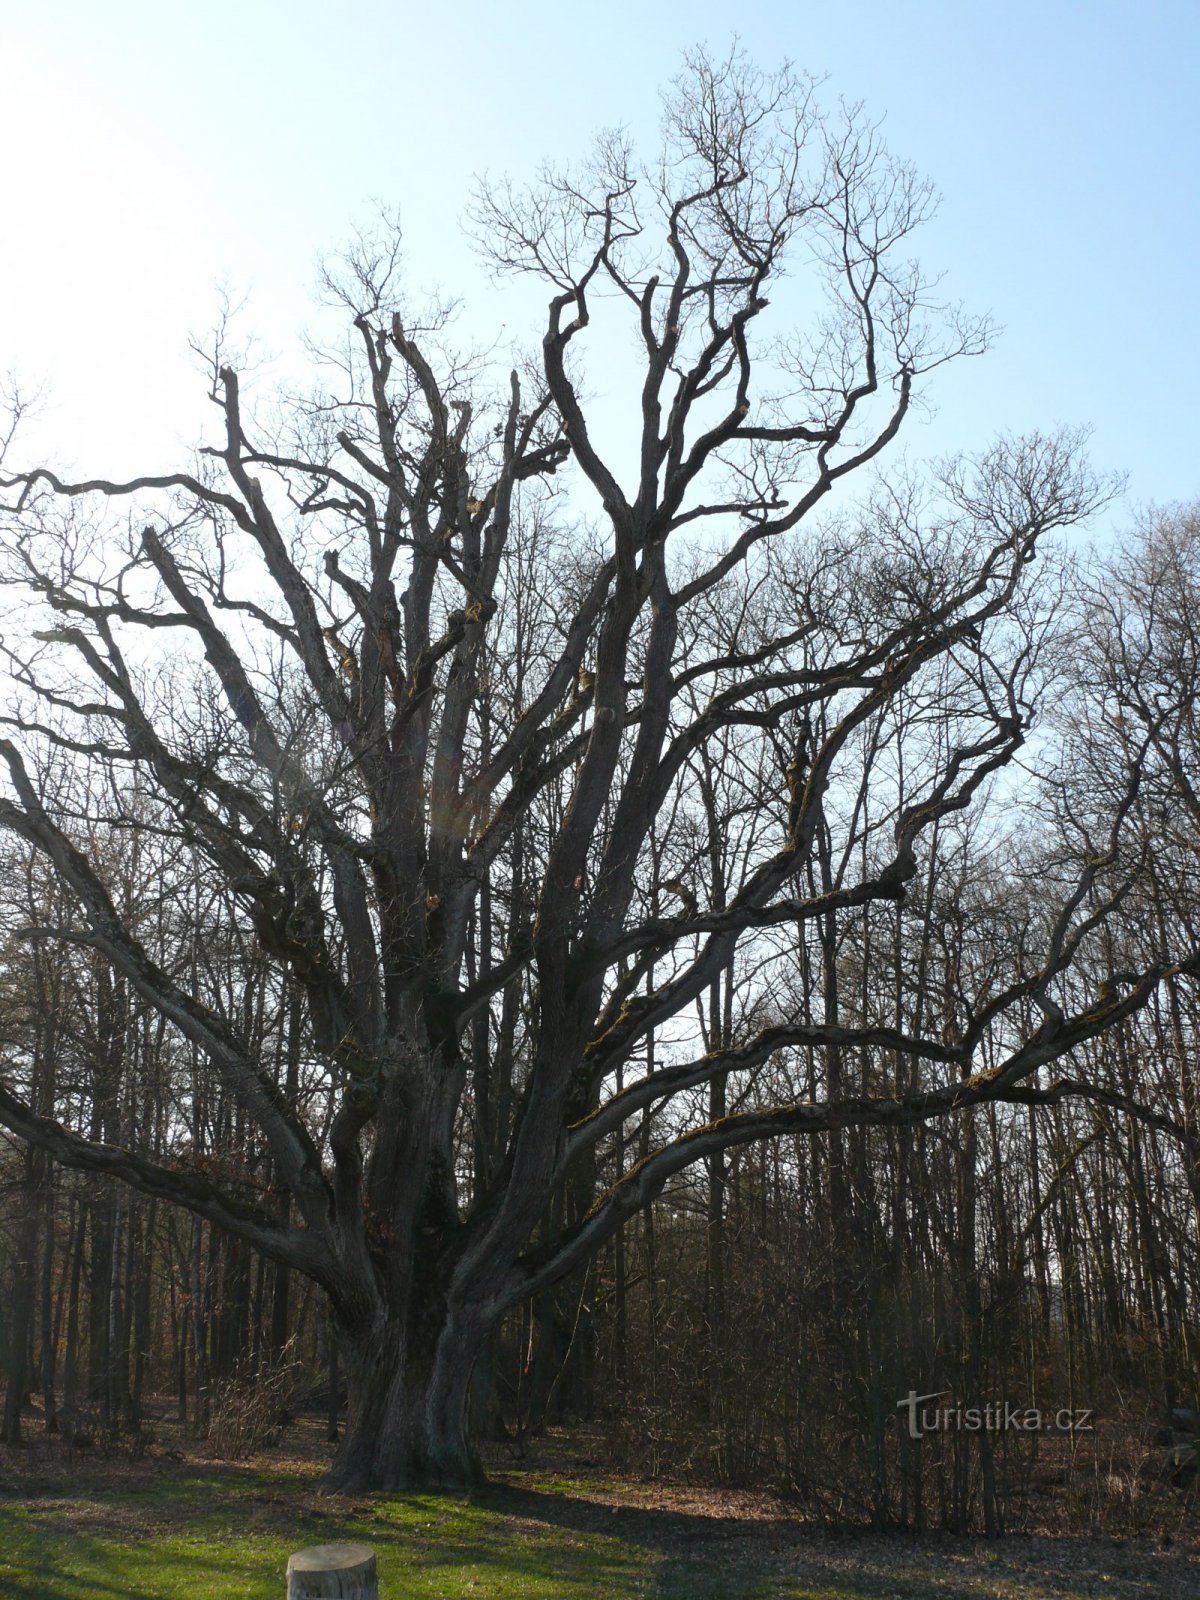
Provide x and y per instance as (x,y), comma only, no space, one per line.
(150,148)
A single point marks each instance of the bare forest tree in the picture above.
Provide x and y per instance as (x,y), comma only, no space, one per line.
(529,772)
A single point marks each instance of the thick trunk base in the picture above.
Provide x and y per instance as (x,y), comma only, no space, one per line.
(363,1465)
(407,1422)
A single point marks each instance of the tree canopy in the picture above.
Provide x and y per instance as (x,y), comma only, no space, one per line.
(530,772)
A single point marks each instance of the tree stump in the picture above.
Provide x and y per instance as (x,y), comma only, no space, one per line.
(333,1572)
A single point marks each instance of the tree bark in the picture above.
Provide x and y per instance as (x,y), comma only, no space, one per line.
(23,1291)
(49,1330)
(406,1426)
(333,1572)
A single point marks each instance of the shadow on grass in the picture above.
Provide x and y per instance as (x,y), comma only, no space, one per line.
(87,1567)
(562,1543)
(214,1531)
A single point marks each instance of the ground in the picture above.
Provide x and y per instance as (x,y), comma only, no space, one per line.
(77,1526)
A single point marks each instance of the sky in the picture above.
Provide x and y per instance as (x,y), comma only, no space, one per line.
(151,152)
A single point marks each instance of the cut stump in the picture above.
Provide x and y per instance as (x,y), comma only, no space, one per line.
(333,1572)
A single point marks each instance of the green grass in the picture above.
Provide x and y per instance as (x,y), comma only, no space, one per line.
(164,1532)
(235,1547)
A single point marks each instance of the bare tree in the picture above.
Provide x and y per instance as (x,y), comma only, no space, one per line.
(424,683)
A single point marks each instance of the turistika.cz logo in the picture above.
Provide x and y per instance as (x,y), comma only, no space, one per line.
(998,1416)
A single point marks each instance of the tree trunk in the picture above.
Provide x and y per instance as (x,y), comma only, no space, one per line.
(71,1353)
(406,1426)
(333,1572)
(49,1331)
(327,1340)
(23,1294)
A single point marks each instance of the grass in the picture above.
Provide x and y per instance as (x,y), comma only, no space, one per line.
(197,1539)
(190,1531)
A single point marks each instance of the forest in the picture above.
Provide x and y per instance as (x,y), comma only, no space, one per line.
(663,924)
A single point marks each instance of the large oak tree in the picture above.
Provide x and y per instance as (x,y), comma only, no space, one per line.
(448,694)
